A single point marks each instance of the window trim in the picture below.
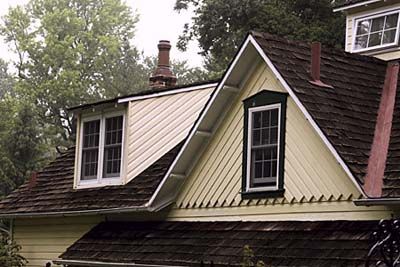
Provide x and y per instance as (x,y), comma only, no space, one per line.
(264,100)
(372,16)
(100,180)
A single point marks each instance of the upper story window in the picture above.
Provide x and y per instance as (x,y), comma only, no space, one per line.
(376,31)
(101,149)
(263,157)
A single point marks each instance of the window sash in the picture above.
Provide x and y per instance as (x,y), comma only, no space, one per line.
(112,166)
(263,183)
(367,35)
(91,140)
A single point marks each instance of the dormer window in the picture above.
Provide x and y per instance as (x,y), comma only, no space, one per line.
(101,150)
(377,31)
(264,144)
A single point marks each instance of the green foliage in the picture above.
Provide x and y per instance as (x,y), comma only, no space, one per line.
(248,258)
(70,52)
(9,252)
(221,25)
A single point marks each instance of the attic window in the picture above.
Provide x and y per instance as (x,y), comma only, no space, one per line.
(101,150)
(263,144)
(376,31)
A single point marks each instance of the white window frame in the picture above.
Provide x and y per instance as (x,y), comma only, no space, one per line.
(250,141)
(100,180)
(377,15)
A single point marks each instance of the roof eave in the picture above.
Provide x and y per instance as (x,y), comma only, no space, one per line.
(347,7)
(377,202)
(76,213)
(104,264)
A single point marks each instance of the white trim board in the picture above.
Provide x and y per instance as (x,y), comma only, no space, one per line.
(355,5)
(250,39)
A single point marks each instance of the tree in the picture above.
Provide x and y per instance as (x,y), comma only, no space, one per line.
(71,52)
(220,26)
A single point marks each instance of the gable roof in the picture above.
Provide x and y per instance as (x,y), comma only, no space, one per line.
(343,116)
(54,194)
(295,243)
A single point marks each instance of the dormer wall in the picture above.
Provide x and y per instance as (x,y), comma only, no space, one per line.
(357,14)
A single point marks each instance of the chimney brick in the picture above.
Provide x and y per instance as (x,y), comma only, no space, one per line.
(163,76)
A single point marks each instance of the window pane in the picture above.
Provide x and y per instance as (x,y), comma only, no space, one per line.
(266,116)
(265,136)
(274,135)
(89,164)
(274,117)
(377,24)
(361,42)
(391,21)
(389,36)
(91,131)
(256,137)
(363,27)
(375,39)
(267,169)
(256,120)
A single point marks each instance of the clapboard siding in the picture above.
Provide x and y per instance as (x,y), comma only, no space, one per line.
(43,240)
(367,11)
(312,174)
(157,125)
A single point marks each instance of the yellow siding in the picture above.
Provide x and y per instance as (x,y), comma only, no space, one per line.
(312,174)
(389,54)
(44,239)
(157,125)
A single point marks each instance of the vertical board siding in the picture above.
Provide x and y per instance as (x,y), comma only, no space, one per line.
(312,174)
(350,20)
(43,240)
(157,125)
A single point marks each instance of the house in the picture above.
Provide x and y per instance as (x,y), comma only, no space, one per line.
(294,152)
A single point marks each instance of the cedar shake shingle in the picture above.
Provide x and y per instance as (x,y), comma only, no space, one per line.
(295,243)
(54,189)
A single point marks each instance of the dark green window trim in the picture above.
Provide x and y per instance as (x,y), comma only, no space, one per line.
(264,98)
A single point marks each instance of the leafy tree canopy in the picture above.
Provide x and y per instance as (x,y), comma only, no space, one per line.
(70,52)
(221,25)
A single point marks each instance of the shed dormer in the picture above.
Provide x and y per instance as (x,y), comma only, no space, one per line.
(372,27)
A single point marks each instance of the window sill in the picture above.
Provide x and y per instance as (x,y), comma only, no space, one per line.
(95,184)
(263,194)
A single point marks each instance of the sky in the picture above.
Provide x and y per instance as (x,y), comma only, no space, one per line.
(157,21)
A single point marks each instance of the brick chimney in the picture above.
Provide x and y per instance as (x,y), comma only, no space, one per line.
(316,65)
(163,76)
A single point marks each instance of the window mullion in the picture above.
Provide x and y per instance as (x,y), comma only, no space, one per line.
(101,150)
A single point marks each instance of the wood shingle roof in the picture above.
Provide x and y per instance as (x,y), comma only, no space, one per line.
(295,243)
(54,191)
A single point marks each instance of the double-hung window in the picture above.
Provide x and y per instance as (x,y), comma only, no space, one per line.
(377,31)
(101,149)
(263,157)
